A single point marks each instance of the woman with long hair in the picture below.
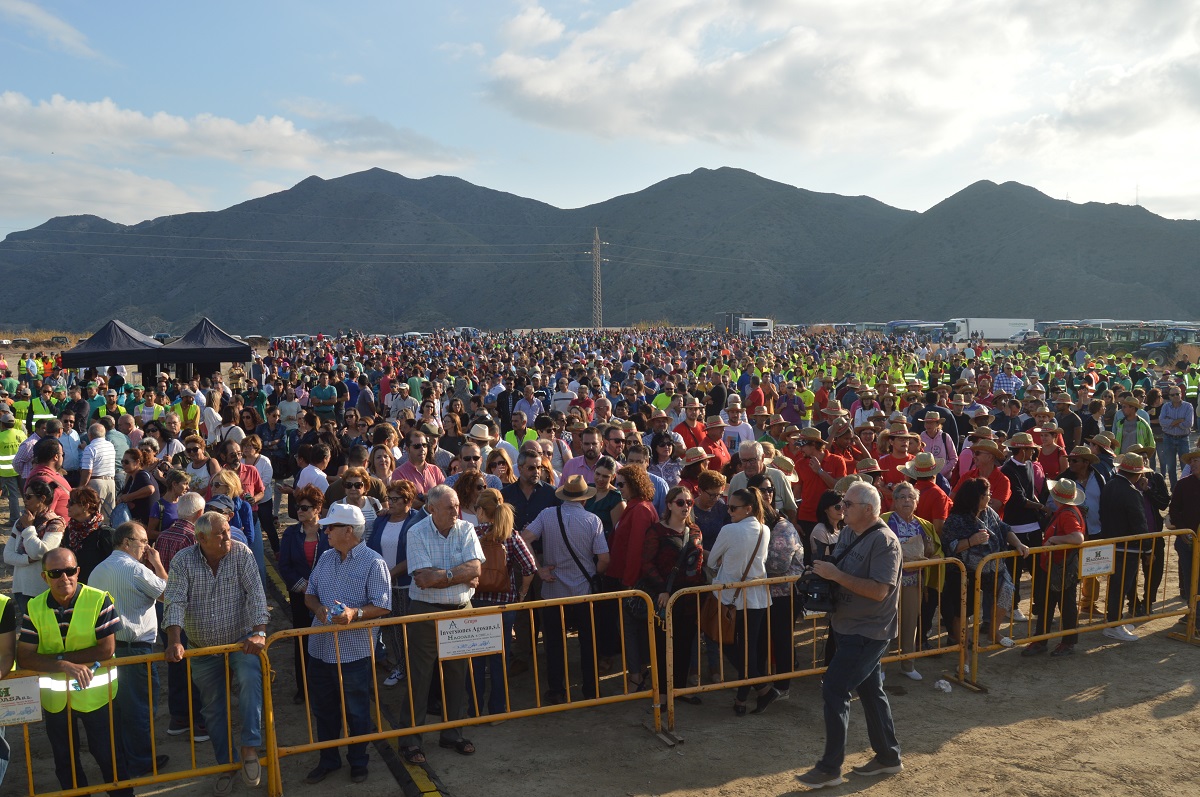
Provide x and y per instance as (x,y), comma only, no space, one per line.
(299,549)
(785,557)
(164,511)
(663,462)
(740,554)
(500,466)
(252,455)
(249,421)
(35,532)
(357,481)
(467,487)
(625,565)
(830,519)
(673,559)
(381,463)
(453,438)
(494,524)
(971,532)
(389,539)
(607,504)
(141,489)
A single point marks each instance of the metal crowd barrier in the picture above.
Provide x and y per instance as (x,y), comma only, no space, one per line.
(809,634)
(195,770)
(1190,635)
(385,721)
(1147,605)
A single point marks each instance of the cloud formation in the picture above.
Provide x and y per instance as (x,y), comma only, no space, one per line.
(60,34)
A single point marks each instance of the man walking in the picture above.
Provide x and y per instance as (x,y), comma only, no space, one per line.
(865,572)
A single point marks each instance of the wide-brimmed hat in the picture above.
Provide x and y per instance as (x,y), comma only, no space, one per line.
(868,465)
(1131,401)
(1083,452)
(576,425)
(790,431)
(811,436)
(575,488)
(1022,440)
(982,433)
(866,427)
(932,416)
(733,401)
(1132,463)
(987,445)
(785,466)
(867,392)
(480,432)
(1144,451)
(777,420)
(1104,439)
(839,428)
(900,430)
(923,466)
(760,412)
(1041,409)
(1064,398)
(343,515)
(1066,492)
(695,454)
(1189,456)
(713,421)
(957,400)
(835,411)
(691,401)
(659,415)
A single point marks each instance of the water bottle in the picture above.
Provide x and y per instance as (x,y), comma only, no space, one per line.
(75,684)
(337,608)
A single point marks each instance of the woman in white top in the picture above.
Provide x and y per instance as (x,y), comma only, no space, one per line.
(356,481)
(35,533)
(740,554)
(200,466)
(210,416)
(228,428)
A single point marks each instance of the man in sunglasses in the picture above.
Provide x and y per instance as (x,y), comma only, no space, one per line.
(74,664)
(472,459)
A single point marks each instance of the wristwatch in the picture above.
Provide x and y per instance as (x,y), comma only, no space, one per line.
(358,614)
(449,575)
(262,634)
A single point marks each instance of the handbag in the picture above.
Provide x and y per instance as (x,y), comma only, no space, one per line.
(593,578)
(494,577)
(717,619)
(120,514)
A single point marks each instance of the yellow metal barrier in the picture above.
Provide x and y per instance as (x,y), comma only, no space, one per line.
(277,749)
(156,776)
(1143,608)
(1190,634)
(808,636)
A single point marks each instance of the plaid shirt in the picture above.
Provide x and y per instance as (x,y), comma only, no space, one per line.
(215,608)
(361,579)
(1006,382)
(520,562)
(428,548)
(179,535)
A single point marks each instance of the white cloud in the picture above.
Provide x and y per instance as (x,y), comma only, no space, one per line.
(458,50)
(59,33)
(104,131)
(351,80)
(532,27)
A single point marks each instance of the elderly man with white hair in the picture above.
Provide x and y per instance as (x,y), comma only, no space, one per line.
(751,455)
(865,573)
(215,595)
(349,584)
(445,559)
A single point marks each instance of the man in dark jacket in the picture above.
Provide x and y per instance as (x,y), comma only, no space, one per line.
(1123,514)
(1023,510)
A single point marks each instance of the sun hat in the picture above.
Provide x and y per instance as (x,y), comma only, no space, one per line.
(1066,492)
(923,466)
(575,488)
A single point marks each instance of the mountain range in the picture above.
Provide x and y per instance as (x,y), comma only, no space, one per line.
(380,252)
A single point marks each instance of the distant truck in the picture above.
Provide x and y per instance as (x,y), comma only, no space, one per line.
(755,327)
(1179,344)
(963,329)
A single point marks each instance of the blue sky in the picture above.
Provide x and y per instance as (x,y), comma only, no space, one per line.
(134,111)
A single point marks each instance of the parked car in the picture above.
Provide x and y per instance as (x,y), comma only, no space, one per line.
(59,340)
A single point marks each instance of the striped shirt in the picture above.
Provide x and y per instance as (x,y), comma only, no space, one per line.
(107,622)
(361,579)
(427,548)
(100,458)
(215,608)
(134,589)
(586,535)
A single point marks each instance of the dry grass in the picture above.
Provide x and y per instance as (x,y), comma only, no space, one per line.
(40,337)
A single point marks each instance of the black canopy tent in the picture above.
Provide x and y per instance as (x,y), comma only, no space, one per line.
(203,349)
(114,344)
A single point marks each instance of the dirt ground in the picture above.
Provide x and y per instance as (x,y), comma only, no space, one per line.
(1113,719)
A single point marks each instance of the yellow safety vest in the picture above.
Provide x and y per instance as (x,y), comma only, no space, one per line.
(1192,382)
(188,420)
(100,413)
(40,410)
(511,438)
(57,689)
(20,410)
(10,441)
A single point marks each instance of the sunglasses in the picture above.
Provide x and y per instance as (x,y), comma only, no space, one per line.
(192,449)
(394,497)
(305,508)
(354,485)
(59,572)
(470,459)
(737,506)
(619,484)
(683,502)
(418,445)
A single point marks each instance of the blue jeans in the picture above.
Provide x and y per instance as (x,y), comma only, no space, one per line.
(492,665)
(1172,447)
(855,667)
(11,488)
(208,674)
(132,704)
(327,699)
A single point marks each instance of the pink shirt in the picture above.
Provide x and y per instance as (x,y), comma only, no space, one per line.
(426,479)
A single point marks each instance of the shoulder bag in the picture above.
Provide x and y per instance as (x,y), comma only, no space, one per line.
(494,576)
(717,619)
(593,578)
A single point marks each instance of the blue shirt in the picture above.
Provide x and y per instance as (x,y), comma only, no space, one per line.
(361,579)
(428,548)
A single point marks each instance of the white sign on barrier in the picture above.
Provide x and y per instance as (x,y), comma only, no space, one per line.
(470,636)
(1097,561)
(19,701)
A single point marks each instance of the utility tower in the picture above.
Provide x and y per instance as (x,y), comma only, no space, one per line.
(597,303)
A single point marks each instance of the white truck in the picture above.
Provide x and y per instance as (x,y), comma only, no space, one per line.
(963,329)
(755,327)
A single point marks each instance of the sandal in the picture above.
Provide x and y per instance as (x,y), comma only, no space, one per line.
(413,755)
(461,746)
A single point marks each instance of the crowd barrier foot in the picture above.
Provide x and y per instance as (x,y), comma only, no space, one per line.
(970,686)
(668,738)
(1184,638)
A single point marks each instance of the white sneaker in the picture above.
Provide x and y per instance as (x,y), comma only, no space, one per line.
(1018,616)
(394,677)
(1121,633)
(913,674)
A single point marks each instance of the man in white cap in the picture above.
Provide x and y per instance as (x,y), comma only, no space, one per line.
(349,584)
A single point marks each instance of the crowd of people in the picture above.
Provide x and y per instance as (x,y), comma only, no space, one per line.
(421,476)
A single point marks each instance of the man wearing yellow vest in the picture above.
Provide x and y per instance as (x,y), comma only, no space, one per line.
(74,667)
(11,438)
(188,412)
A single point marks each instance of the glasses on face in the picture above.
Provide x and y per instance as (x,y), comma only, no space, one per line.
(395,497)
(732,507)
(713,495)
(354,485)
(620,485)
(470,459)
(305,508)
(192,449)
(846,503)
(616,439)
(685,503)
(59,572)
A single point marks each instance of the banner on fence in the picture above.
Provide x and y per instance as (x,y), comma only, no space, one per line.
(470,636)
(1097,561)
